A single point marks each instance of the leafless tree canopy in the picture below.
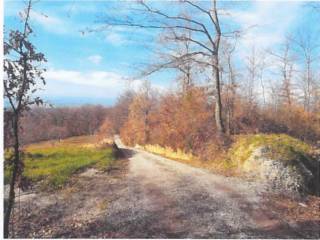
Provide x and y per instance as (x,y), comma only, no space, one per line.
(195,31)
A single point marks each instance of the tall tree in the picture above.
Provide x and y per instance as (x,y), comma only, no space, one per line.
(250,85)
(285,63)
(308,49)
(22,72)
(205,37)
(229,75)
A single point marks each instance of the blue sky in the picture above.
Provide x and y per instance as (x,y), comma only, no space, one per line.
(95,67)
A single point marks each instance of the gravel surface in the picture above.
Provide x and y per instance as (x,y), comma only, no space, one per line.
(148,196)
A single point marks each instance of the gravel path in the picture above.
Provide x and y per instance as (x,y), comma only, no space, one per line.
(149,196)
(168,199)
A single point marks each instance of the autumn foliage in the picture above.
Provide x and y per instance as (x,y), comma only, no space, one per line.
(184,121)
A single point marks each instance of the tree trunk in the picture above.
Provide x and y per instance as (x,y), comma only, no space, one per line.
(218,105)
(228,131)
(146,128)
(13,177)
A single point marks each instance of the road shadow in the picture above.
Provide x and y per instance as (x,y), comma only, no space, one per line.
(124,153)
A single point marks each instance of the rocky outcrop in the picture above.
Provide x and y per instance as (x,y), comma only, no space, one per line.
(296,175)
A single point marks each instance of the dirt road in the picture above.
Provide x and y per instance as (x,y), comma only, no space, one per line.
(148,196)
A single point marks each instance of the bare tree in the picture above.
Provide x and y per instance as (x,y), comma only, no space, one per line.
(21,75)
(284,63)
(307,47)
(252,69)
(204,39)
(230,84)
(262,68)
(174,55)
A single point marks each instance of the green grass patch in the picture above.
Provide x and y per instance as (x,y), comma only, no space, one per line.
(281,147)
(53,163)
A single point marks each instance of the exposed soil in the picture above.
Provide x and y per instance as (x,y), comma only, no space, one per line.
(147,196)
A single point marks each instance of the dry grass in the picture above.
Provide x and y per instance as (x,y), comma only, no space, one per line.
(169,152)
(216,164)
(228,162)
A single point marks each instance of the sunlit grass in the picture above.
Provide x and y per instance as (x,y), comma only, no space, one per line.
(188,158)
(53,162)
(281,147)
(169,152)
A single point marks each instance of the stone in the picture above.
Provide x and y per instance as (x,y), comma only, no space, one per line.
(292,176)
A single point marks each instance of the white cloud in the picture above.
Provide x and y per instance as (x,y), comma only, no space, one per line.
(115,38)
(96,59)
(50,23)
(44,19)
(66,83)
(94,78)
(86,84)
(267,23)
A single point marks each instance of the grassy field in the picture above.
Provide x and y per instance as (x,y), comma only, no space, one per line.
(53,162)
